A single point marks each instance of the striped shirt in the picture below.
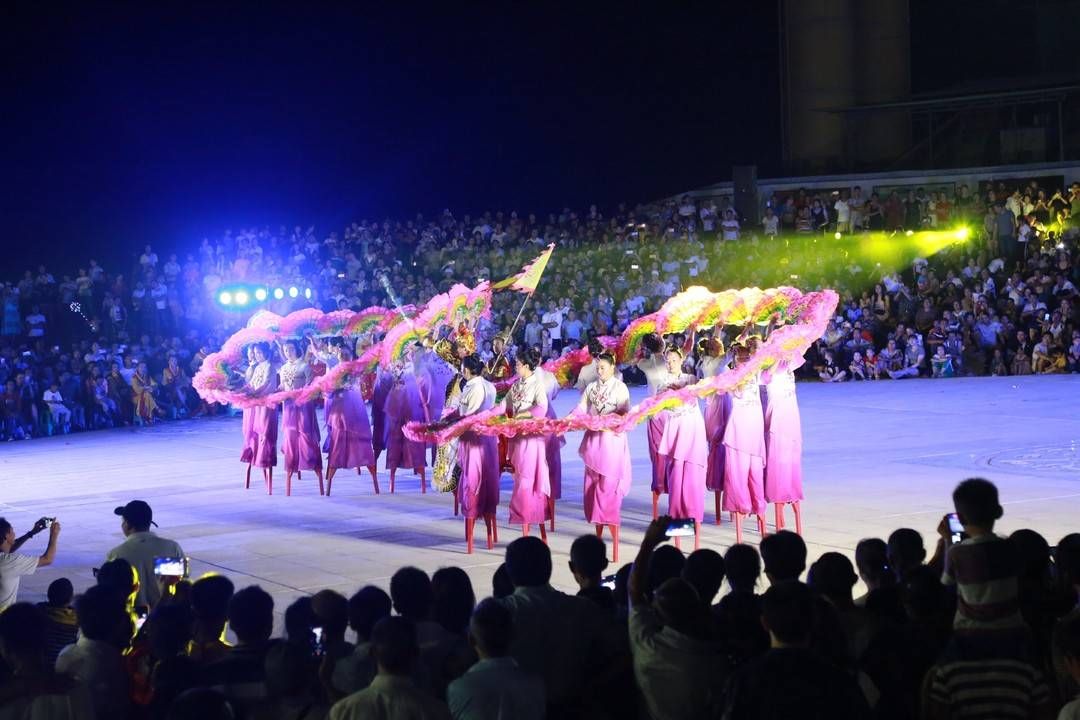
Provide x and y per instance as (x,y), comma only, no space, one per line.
(984,570)
(995,689)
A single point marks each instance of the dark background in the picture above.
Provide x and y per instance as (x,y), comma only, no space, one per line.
(124,124)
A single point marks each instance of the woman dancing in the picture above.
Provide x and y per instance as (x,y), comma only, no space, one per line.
(247,452)
(683,448)
(606,454)
(553,443)
(654,367)
(348,432)
(714,362)
(527,398)
(403,404)
(478,455)
(300,446)
(744,448)
(783,443)
(264,420)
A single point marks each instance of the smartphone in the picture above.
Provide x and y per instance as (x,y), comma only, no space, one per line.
(171,566)
(608,582)
(956,528)
(141,613)
(680,527)
(1046,317)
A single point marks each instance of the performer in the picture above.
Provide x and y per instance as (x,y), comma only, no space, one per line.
(553,443)
(348,432)
(527,398)
(142,395)
(497,370)
(403,404)
(683,448)
(478,489)
(606,454)
(783,443)
(588,373)
(714,362)
(299,424)
(744,448)
(264,420)
(247,452)
(446,472)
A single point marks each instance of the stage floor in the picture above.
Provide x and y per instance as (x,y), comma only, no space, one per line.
(877,456)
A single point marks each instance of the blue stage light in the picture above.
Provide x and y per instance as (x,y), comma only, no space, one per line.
(293,292)
(260,294)
(241,297)
(307,293)
(225,298)
(279,293)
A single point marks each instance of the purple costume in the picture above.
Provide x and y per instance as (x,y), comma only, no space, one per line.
(744,452)
(783,439)
(716,413)
(300,444)
(684,451)
(554,443)
(478,455)
(264,420)
(606,454)
(528,455)
(247,451)
(403,405)
(655,370)
(348,431)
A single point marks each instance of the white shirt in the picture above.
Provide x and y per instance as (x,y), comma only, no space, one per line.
(100,667)
(52,398)
(477,395)
(496,689)
(772,225)
(12,567)
(553,317)
(730,229)
(140,549)
(843,211)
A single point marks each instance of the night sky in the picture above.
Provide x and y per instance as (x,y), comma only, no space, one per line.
(133,124)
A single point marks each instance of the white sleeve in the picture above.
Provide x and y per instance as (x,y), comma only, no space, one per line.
(471,401)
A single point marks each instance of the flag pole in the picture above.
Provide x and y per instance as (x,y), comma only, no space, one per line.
(513,326)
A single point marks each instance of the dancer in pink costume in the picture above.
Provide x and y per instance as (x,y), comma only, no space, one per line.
(300,427)
(247,451)
(553,443)
(684,448)
(527,398)
(348,442)
(744,449)
(403,404)
(714,362)
(654,367)
(606,454)
(264,420)
(783,443)
(478,455)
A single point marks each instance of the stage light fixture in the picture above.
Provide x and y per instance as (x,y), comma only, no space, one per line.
(962,233)
(260,294)
(307,293)
(241,297)
(225,298)
(293,292)
(837,235)
(279,294)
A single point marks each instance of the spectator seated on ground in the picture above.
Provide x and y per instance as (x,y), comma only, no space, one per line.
(241,673)
(369,605)
(62,626)
(95,659)
(210,596)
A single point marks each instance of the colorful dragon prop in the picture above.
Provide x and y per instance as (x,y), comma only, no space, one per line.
(800,319)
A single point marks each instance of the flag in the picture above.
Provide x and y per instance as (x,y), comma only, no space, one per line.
(527,280)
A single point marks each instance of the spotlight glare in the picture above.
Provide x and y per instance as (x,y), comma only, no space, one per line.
(962,233)
(307,293)
(225,298)
(909,233)
(293,292)
(837,235)
(279,293)
(260,294)
(241,297)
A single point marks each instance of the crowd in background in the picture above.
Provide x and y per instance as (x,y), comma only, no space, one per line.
(974,624)
(110,346)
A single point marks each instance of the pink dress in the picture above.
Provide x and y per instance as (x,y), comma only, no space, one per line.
(348,431)
(655,369)
(606,454)
(684,450)
(554,443)
(478,455)
(783,439)
(264,420)
(744,452)
(528,455)
(247,451)
(403,405)
(300,444)
(716,412)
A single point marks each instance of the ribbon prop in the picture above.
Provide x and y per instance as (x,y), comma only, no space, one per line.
(807,314)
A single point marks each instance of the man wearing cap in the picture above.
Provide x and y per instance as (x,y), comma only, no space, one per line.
(141,547)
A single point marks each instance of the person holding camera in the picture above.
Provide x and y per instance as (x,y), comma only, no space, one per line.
(14,566)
